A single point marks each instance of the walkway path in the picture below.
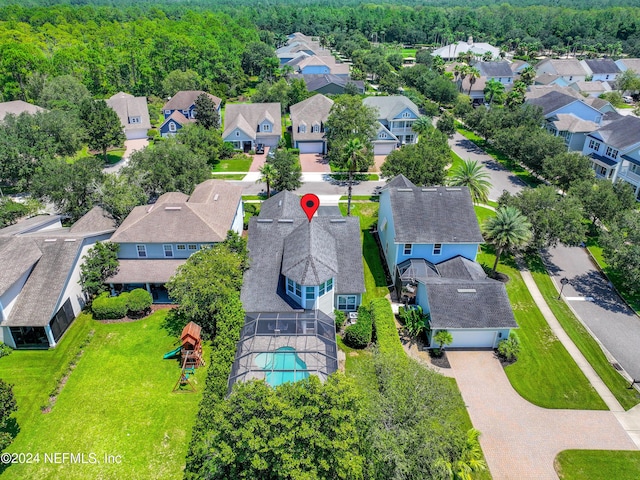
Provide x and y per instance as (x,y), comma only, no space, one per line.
(130,147)
(521,440)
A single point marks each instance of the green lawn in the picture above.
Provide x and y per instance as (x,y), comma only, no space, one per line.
(359,198)
(598,465)
(359,177)
(613,275)
(545,374)
(483,213)
(228,176)
(456,161)
(628,398)
(113,155)
(117,401)
(240,163)
(501,158)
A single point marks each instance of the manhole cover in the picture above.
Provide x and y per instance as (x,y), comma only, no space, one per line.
(617,366)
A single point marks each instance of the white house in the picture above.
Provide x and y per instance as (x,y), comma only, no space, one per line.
(453,51)
(307,124)
(133,114)
(396,115)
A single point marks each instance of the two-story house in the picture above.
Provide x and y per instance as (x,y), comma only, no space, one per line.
(430,238)
(248,124)
(569,69)
(156,239)
(40,293)
(181,109)
(614,150)
(396,115)
(601,69)
(133,114)
(307,124)
(499,71)
(300,272)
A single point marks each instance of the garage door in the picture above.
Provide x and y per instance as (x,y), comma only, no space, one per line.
(311,147)
(473,338)
(383,148)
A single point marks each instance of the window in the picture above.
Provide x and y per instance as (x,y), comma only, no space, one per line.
(181,247)
(205,246)
(168,251)
(237,133)
(167,112)
(601,171)
(315,129)
(612,152)
(302,129)
(192,114)
(142,251)
(172,127)
(437,248)
(185,113)
(266,127)
(382,135)
(322,289)
(298,289)
(325,287)
(290,285)
(347,302)
(310,293)
(594,145)
(134,120)
(407,249)
(406,115)
(329,284)
(409,139)
(192,246)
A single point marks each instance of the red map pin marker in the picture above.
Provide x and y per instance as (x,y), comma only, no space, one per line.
(309,204)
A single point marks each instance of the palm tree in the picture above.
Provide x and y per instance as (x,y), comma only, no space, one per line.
(527,75)
(470,174)
(267,175)
(422,125)
(470,459)
(353,150)
(508,230)
(474,74)
(493,89)
(442,338)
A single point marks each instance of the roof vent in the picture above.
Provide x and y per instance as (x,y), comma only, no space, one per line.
(429,189)
(449,189)
(69,239)
(466,290)
(338,220)
(405,189)
(50,239)
(173,208)
(265,220)
(279,203)
(215,197)
(285,220)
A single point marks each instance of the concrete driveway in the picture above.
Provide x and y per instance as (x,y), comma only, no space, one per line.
(130,147)
(519,439)
(613,323)
(501,178)
(314,162)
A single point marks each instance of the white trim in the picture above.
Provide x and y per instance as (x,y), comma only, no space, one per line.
(140,250)
(168,253)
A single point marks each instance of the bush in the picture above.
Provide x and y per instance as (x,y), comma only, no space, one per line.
(415,321)
(386,332)
(5,350)
(106,307)
(295,151)
(360,334)
(341,317)
(139,301)
(509,348)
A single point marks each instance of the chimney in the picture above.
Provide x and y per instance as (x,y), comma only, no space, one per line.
(470,40)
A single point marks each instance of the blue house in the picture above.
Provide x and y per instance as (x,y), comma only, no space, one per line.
(430,238)
(181,109)
(396,114)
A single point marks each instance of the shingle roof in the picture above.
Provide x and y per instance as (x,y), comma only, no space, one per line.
(95,220)
(552,101)
(389,107)
(593,87)
(621,134)
(566,122)
(546,78)
(146,270)
(602,66)
(314,109)
(18,257)
(248,116)
(309,256)
(494,69)
(317,81)
(30,225)
(16,107)
(177,117)
(127,106)
(205,217)
(400,181)
(183,100)
(263,288)
(461,268)
(631,64)
(434,215)
(566,67)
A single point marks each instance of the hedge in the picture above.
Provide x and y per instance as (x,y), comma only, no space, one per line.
(360,334)
(139,301)
(106,307)
(384,324)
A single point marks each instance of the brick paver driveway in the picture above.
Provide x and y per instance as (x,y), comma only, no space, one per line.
(521,440)
(313,162)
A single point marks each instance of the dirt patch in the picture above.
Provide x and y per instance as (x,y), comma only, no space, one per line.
(440,360)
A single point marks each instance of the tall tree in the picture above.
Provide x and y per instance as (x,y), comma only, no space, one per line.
(63,93)
(206,112)
(422,125)
(602,200)
(566,169)
(472,175)
(447,124)
(494,90)
(268,174)
(178,80)
(288,173)
(528,75)
(99,263)
(118,196)
(102,125)
(509,230)
(356,153)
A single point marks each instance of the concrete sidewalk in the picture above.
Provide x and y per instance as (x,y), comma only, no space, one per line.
(629,420)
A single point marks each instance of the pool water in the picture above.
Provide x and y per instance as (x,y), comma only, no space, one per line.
(282,366)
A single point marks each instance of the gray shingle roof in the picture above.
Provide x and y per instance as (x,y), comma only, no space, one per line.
(95,220)
(461,268)
(183,100)
(602,66)
(317,81)
(248,116)
(565,67)
(16,107)
(622,133)
(434,215)
(146,270)
(263,289)
(205,217)
(310,111)
(18,256)
(309,255)
(494,69)
(30,225)
(400,181)
(127,106)
(552,101)
(389,107)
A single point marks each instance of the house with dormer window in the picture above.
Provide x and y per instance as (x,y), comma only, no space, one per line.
(396,114)
(430,238)
(248,124)
(181,110)
(614,151)
(307,124)
(133,114)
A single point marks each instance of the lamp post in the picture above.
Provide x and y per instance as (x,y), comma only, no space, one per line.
(563,282)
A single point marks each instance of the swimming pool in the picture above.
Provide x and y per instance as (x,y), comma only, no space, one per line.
(282,366)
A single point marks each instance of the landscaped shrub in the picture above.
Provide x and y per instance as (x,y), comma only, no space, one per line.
(415,321)
(5,350)
(509,348)
(359,335)
(139,301)
(340,319)
(384,325)
(106,307)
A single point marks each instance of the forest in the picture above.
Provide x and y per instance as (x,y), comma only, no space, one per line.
(113,47)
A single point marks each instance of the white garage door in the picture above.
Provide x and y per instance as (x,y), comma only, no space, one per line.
(310,147)
(383,148)
(473,338)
